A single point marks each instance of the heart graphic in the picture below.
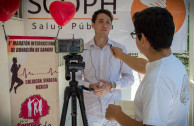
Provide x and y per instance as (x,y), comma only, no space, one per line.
(8,9)
(62,11)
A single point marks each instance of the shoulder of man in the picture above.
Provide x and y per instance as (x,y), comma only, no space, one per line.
(87,44)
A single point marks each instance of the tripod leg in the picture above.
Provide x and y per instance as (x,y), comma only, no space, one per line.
(82,106)
(74,109)
(67,95)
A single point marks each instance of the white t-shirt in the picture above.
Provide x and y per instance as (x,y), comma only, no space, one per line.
(163,97)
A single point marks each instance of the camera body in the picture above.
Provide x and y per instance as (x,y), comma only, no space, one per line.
(69,45)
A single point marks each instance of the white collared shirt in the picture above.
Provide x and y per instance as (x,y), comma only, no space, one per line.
(101,65)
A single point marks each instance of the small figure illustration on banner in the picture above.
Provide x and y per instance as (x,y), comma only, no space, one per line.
(35,107)
(14,69)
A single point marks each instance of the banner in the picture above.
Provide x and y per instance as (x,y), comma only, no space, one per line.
(38,20)
(34,95)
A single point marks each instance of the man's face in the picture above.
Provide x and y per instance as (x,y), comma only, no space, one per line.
(102,25)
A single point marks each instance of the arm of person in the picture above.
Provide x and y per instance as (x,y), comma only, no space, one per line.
(126,73)
(127,77)
(115,113)
(137,64)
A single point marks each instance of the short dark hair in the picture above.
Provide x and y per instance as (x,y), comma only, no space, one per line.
(107,12)
(157,25)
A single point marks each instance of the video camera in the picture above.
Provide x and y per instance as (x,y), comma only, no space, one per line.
(73,62)
(69,45)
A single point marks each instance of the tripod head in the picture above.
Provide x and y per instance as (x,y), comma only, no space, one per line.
(73,63)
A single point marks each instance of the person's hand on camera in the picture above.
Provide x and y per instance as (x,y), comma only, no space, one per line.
(116,52)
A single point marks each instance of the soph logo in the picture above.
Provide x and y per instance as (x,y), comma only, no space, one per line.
(34,108)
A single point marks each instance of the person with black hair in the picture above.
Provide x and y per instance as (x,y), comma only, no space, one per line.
(103,72)
(163,96)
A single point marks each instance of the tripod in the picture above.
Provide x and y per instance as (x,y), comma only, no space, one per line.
(73,91)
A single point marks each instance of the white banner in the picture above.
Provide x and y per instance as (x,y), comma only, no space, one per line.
(38,21)
(33,75)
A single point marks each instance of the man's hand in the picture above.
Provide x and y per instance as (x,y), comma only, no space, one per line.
(106,86)
(112,111)
(97,88)
(116,52)
(101,87)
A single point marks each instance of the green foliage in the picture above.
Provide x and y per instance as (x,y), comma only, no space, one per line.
(184,57)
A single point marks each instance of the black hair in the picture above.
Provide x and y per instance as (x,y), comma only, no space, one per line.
(104,11)
(157,25)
